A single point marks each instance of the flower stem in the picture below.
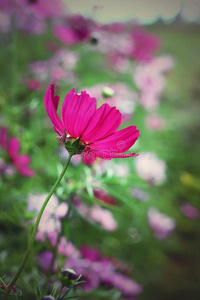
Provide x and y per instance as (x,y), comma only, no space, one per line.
(30,245)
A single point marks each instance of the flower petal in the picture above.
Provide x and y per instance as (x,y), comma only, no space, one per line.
(65,104)
(119,142)
(51,105)
(109,155)
(13,147)
(105,122)
(77,111)
(22,162)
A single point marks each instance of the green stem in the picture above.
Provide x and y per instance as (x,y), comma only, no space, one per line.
(30,245)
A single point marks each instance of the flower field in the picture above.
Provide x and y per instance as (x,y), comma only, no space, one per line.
(99,156)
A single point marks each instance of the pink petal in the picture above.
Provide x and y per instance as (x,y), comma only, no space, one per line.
(109,155)
(65,34)
(119,142)
(77,111)
(51,105)
(65,104)
(22,162)
(13,147)
(105,121)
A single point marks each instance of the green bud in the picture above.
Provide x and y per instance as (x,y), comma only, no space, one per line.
(67,277)
(107,92)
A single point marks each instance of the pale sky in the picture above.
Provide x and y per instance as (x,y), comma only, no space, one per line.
(144,11)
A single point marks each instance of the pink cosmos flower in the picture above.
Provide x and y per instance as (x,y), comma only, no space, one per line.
(12,147)
(75,29)
(145,44)
(94,129)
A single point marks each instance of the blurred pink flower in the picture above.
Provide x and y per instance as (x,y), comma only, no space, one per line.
(155,122)
(32,84)
(161,224)
(12,147)
(45,260)
(150,80)
(30,23)
(115,27)
(67,248)
(57,68)
(116,94)
(150,84)
(118,62)
(5,22)
(112,42)
(92,254)
(119,169)
(25,19)
(96,128)
(97,214)
(97,270)
(41,8)
(144,45)
(50,224)
(127,286)
(30,16)
(189,211)
(139,194)
(47,8)
(104,197)
(104,217)
(150,168)
(5,168)
(149,99)
(74,29)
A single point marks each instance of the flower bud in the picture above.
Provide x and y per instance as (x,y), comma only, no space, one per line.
(67,277)
(107,92)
